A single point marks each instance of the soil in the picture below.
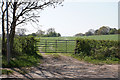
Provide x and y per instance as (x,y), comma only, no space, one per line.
(64,67)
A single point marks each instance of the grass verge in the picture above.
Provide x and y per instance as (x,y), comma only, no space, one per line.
(5,71)
(24,60)
(89,59)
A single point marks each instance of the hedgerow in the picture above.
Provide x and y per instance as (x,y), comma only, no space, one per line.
(98,49)
(24,53)
(25,45)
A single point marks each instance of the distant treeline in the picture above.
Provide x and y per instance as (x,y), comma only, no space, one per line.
(104,30)
(49,33)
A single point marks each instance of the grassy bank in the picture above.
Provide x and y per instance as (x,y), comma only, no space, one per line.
(24,53)
(22,61)
(93,61)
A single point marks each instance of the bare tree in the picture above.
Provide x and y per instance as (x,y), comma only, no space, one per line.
(24,12)
(3,11)
(3,29)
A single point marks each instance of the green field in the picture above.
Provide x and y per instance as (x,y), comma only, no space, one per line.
(49,44)
(58,46)
(96,37)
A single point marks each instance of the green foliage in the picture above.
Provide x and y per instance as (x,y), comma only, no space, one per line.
(103,30)
(98,49)
(25,45)
(24,60)
(25,53)
(52,34)
(118,31)
(49,33)
(113,31)
(5,71)
(88,33)
(90,59)
(79,34)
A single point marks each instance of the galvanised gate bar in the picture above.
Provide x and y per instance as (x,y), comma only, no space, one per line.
(56,46)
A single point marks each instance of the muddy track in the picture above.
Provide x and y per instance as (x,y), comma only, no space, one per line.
(66,67)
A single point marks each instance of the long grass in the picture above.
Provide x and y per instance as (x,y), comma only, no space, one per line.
(89,59)
(24,60)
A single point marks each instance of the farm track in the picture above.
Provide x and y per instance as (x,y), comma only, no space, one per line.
(66,67)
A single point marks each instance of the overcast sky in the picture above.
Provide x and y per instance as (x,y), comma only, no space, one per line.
(78,16)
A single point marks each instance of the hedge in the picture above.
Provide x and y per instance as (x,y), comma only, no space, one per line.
(24,45)
(24,53)
(98,49)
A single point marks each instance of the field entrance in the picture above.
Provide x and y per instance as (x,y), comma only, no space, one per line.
(56,46)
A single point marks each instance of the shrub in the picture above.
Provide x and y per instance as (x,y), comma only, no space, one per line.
(24,45)
(25,53)
(99,49)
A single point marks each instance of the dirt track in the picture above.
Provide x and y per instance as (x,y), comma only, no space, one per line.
(66,67)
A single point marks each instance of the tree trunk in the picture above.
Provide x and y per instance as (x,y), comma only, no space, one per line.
(13,26)
(3,36)
(12,35)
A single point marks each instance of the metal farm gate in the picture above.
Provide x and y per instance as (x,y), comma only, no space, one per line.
(56,46)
